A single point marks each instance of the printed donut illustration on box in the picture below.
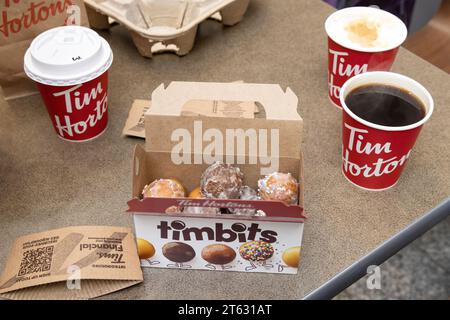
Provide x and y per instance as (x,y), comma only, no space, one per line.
(146,251)
(217,244)
(218,255)
(256,251)
(178,252)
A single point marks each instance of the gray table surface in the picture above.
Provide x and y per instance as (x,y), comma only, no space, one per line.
(47,183)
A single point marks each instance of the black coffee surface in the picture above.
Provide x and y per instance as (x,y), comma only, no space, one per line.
(385,105)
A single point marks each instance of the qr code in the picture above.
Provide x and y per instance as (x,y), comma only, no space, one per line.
(36,260)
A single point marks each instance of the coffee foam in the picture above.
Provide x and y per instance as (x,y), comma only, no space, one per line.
(366,29)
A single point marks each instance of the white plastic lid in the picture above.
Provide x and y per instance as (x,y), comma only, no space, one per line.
(67,55)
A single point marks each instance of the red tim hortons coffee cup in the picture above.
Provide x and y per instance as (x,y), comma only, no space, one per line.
(373,155)
(70,67)
(360,39)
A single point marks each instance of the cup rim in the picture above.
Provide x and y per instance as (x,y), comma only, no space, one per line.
(429,103)
(396,44)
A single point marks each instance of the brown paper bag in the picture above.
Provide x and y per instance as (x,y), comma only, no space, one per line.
(71,263)
(20,22)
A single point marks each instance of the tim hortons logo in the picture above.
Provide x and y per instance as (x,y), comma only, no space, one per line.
(382,166)
(33,12)
(191,149)
(214,204)
(342,68)
(177,230)
(76,101)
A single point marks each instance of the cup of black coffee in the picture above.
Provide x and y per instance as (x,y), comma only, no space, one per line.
(383,113)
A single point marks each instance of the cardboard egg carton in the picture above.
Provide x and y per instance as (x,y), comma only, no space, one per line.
(163,25)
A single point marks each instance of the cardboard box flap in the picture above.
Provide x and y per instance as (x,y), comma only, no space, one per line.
(279,134)
(279,105)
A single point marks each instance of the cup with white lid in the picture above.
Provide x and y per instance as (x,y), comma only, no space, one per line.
(360,39)
(70,67)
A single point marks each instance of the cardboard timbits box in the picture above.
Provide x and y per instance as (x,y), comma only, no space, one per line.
(182,147)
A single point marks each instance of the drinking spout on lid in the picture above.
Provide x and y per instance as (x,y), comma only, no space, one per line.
(68,36)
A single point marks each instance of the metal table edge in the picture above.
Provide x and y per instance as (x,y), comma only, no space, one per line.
(380,254)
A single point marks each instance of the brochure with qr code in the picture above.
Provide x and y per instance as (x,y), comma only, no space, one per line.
(134,126)
(71,263)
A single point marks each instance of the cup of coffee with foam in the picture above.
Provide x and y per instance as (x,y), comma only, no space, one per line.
(383,113)
(360,39)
